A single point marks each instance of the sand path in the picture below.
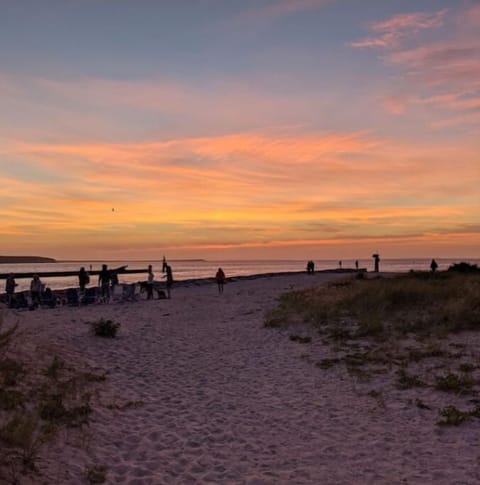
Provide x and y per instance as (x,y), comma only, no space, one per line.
(225,400)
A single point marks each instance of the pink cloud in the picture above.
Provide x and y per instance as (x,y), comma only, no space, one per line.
(389,32)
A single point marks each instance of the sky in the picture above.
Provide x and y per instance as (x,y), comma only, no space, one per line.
(220,129)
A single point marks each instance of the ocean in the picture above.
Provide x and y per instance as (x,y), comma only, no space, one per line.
(194,269)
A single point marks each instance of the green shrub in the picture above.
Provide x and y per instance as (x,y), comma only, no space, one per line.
(96,474)
(450,382)
(105,328)
(452,416)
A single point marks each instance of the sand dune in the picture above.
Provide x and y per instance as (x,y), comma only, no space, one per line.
(198,391)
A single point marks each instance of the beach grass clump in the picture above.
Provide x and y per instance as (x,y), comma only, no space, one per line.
(105,327)
(451,416)
(431,304)
(39,396)
(96,474)
(457,383)
(407,381)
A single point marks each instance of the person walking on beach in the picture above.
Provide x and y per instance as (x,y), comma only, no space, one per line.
(36,288)
(10,285)
(104,282)
(150,281)
(220,277)
(169,277)
(433,266)
(83,279)
(376,260)
(356,264)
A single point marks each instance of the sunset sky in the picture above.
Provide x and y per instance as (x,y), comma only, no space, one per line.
(240,128)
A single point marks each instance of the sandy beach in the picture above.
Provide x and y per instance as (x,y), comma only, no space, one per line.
(199,391)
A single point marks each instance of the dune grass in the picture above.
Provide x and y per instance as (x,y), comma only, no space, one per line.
(39,396)
(396,327)
(439,303)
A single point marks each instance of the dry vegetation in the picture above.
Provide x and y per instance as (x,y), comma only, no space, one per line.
(414,328)
(40,395)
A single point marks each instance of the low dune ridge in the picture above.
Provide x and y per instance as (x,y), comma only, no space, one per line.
(197,390)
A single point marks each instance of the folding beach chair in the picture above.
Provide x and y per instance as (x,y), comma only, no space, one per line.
(71,295)
(90,296)
(117,293)
(48,299)
(20,301)
(129,292)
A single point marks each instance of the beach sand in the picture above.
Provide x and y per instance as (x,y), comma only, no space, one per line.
(202,393)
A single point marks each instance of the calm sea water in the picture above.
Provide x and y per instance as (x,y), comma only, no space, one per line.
(183,270)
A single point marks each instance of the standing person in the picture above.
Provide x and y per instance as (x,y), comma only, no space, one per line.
(150,280)
(220,277)
(433,266)
(104,282)
(10,285)
(83,279)
(36,288)
(376,259)
(339,264)
(169,277)
(164,265)
(356,264)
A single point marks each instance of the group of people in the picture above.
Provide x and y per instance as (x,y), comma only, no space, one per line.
(37,288)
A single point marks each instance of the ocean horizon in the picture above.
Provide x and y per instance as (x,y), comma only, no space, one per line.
(187,269)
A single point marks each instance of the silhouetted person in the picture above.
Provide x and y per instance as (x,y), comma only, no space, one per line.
(433,266)
(220,277)
(10,285)
(104,282)
(376,259)
(356,264)
(150,280)
(169,277)
(83,278)
(310,267)
(340,264)
(164,265)
(36,288)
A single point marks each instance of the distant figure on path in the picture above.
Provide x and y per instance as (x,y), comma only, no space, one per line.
(36,288)
(220,277)
(433,266)
(310,267)
(10,285)
(340,264)
(104,282)
(169,277)
(356,264)
(376,259)
(83,279)
(150,281)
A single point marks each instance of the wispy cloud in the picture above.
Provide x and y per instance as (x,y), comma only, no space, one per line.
(390,32)
(442,74)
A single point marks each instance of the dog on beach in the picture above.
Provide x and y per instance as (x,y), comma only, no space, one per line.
(156,287)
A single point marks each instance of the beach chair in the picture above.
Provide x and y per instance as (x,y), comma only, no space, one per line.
(20,301)
(48,299)
(117,293)
(71,294)
(90,296)
(129,292)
